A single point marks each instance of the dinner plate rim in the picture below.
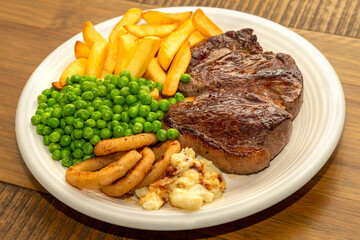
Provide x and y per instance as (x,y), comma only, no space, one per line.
(192,221)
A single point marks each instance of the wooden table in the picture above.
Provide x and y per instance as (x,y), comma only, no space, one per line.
(328,206)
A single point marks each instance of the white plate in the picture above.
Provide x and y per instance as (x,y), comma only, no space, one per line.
(316,132)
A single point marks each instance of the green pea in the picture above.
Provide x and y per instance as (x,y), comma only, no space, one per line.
(105,133)
(47,130)
(160,115)
(96,115)
(107,103)
(134,87)
(95,139)
(77,153)
(118,132)
(45,117)
(96,104)
(53,122)
(172,100)
(70,96)
(46,140)
(150,84)
(69,109)
(57,113)
(69,120)
(124,125)
(77,134)
(69,129)
(106,115)
(131,99)
(102,91)
(125,73)
(39,112)
(35,120)
(129,132)
(139,120)
(120,100)
(83,114)
(148,127)
(78,123)
(116,116)
(141,81)
(56,155)
(65,152)
(87,95)
(108,77)
(125,91)
(114,92)
(137,128)
(65,140)
(145,88)
(59,130)
(172,133)
(151,117)
(85,86)
(80,104)
(54,137)
(133,79)
(42,98)
(42,105)
(39,129)
(47,92)
(100,124)
(88,132)
(90,123)
(133,112)
(66,161)
(143,111)
(161,135)
(53,147)
(49,109)
(118,108)
(114,79)
(78,143)
(51,102)
(185,78)
(90,109)
(88,148)
(146,99)
(164,105)
(156,125)
(77,91)
(154,105)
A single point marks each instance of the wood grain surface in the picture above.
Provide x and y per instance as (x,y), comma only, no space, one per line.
(326,207)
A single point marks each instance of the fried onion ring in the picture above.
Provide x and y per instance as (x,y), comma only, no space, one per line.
(164,151)
(125,184)
(108,146)
(112,167)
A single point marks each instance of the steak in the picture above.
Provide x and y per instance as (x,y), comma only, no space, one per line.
(236,60)
(245,101)
(238,130)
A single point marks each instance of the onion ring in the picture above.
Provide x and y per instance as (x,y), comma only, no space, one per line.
(125,184)
(108,146)
(113,167)
(158,169)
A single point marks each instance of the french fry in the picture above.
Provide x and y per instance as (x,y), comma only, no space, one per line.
(178,67)
(155,72)
(189,99)
(90,35)
(76,67)
(171,46)
(126,46)
(132,16)
(195,38)
(110,60)
(140,61)
(57,86)
(155,93)
(97,58)
(81,50)
(188,25)
(160,31)
(158,18)
(204,25)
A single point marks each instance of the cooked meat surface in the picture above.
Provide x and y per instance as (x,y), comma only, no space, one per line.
(239,131)
(220,63)
(246,100)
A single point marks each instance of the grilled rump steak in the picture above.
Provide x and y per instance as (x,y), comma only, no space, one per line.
(246,100)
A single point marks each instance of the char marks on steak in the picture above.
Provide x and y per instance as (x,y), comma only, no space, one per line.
(236,60)
(246,100)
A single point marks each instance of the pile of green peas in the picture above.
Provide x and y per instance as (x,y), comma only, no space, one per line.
(89,109)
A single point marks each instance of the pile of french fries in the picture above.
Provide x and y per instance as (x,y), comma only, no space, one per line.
(158,50)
